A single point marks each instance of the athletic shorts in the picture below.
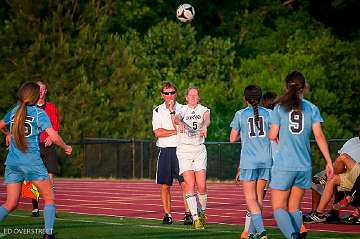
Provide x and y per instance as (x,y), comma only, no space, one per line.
(48,156)
(255,174)
(285,180)
(168,167)
(191,157)
(318,187)
(348,178)
(20,173)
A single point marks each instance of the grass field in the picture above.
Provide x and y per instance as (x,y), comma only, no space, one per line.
(78,226)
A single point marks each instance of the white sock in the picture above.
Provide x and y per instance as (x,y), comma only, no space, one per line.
(202,200)
(191,201)
(247,221)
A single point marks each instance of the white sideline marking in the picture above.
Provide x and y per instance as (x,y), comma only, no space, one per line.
(154,226)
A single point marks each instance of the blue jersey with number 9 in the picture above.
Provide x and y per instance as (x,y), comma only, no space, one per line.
(255,144)
(294,136)
(36,121)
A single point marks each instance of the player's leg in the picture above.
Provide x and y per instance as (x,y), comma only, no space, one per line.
(252,204)
(13,178)
(279,200)
(295,198)
(200,179)
(261,185)
(13,191)
(281,184)
(189,178)
(176,174)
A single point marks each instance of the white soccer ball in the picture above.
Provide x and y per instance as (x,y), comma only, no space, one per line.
(185,12)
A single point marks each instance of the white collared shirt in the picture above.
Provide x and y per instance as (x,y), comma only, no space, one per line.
(162,119)
(352,148)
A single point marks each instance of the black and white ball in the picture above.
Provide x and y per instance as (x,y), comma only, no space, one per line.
(185,12)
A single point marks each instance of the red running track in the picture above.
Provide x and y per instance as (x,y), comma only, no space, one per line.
(141,199)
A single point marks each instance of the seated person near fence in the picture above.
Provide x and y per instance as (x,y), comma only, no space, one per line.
(346,171)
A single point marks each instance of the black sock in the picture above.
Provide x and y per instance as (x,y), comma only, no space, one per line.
(35,204)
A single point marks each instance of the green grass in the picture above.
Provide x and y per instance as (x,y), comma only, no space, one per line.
(77,226)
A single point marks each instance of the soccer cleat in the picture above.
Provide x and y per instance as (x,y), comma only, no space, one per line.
(47,236)
(244,235)
(198,224)
(202,217)
(295,235)
(351,220)
(167,219)
(35,212)
(251,236)
(262,235)
(316,217)
(188,219)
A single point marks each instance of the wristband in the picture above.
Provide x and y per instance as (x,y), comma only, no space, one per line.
(172,112)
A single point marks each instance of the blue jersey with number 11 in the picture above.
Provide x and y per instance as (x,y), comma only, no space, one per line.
(255,144)
(294,136)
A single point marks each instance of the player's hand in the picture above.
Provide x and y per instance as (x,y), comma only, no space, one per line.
(68,149)
(171,105)
(237,176)
(203,132)
(7,141)
(329,170)
(48,142)
(181,128)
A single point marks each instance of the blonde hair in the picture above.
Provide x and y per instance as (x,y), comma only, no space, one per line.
(28,94)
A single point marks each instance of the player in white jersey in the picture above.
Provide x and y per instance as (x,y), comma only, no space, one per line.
(193,120)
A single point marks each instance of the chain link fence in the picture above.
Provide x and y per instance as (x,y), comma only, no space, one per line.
(117,158)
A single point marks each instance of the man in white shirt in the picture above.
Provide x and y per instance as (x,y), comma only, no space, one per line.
(346,171)
(167,141)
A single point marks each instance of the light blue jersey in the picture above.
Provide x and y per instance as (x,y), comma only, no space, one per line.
(255,144)
(294,136)
(35,122)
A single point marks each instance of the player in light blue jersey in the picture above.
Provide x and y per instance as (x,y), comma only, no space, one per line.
(251,125)
(292,122)
(23,160)
(268,100)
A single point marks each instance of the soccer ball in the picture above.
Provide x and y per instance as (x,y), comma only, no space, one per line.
(185,12)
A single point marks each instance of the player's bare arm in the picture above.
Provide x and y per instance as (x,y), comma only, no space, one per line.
(161,132)
(55,137)
(234,136)
(274,132)
(205,124)
(323,146)
(4,130)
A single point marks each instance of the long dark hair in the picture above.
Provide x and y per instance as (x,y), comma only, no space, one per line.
(294,86)
(252,94)
(28,94)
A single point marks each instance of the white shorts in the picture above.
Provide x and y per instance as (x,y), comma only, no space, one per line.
(191,157)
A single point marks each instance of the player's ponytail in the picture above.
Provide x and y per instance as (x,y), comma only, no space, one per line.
(294,88)
(28,94)
(252,94)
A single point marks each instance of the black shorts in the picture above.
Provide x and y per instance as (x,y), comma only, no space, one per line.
(168,167)
(48,156)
